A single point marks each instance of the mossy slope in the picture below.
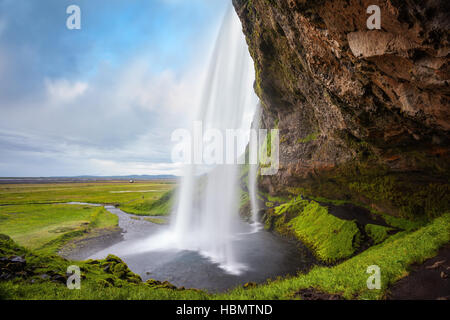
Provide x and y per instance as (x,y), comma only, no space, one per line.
(330,238)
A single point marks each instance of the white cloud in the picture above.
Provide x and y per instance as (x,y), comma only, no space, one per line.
(64,91)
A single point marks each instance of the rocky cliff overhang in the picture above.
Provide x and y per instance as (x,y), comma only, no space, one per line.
(340,93)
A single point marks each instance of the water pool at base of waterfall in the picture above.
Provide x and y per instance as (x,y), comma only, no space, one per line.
(263,254)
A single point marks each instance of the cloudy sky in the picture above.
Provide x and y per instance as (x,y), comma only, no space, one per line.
(102,100)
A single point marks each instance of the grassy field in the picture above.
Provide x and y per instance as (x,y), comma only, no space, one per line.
(136,198)
(33,226)
(36,216)
(39,224)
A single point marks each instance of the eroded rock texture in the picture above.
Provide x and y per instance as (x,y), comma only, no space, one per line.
(356,107)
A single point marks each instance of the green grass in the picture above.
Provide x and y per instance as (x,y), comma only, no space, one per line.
(34,226)
(330,238)
(394,256)
(377,233)
(95,192)
(159,207)
(93,290)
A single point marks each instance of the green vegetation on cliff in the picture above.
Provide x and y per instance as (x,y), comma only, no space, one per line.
(405,195)
(330,238)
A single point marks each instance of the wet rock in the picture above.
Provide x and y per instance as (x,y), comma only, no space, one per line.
(153,282)
(113,258)
(168,285)
(18,259)
(3,261)
(5,276)
(15,263)
(160,284)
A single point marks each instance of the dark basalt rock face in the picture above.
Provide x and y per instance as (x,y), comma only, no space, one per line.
(355,106)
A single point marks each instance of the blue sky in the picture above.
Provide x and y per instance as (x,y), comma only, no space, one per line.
(102,100)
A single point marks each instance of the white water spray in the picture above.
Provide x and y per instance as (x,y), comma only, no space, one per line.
(207,206)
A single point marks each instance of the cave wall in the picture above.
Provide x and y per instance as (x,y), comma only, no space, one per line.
(363,114)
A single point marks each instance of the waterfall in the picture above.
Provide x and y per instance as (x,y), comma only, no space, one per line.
(205,217)
(207,209)
(252,179)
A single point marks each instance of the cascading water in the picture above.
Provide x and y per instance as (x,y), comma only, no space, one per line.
(207,206)
(253,179)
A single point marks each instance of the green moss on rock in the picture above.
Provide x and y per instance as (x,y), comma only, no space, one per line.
(332,239)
